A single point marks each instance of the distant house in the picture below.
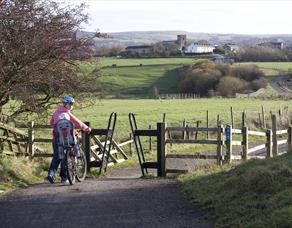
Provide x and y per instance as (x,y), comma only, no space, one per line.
(171,47)
(199,48)
(140,50)
(278,45)
(231,47)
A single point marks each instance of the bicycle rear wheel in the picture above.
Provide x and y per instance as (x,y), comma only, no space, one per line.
(71,166)
(81,166)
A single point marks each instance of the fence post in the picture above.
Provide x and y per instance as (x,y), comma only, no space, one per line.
(130,145)
(243,119)
(161,172)
(274,135)
(164,118)
(184,131)
(231,116)
(218,120)
(269,144)
(150,141)
(31,139)
(219,144)
(196,134)
(264,118)
(260,120)
(289,139)
(207,123)
(187,131)
(86,146)
(245,143)
(228,131)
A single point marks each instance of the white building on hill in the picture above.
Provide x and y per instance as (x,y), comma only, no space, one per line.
(199,48)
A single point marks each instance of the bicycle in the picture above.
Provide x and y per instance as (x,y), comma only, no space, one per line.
(69,149)
(76,165)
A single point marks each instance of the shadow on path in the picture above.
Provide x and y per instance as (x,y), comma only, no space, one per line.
(118,201)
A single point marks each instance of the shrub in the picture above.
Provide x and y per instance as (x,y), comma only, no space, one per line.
(247,72)
(228,86)
(258,83)
(205,76)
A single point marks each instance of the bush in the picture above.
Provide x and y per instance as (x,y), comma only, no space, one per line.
(247,72)
(228,86)
(258,83)
(207,76)
(200,82)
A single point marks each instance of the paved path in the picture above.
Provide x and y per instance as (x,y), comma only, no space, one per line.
(122,200)
(282,83)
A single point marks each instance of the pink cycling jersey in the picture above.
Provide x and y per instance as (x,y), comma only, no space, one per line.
(78,124)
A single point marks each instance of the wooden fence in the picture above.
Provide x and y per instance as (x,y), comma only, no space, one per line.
(178,96)
(236,141)
(14,141)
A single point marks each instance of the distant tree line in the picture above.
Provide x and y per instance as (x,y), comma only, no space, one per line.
(109,50)
(208,78)
(261,54)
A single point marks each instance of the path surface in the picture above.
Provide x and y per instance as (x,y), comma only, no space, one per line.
(282,83)
(122,200)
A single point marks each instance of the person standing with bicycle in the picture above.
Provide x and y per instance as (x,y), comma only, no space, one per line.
(63,111)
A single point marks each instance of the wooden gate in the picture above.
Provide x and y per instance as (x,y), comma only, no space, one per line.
(13,141)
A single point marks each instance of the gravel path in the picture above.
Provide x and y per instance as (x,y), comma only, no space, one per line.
(282,83)
(121,200)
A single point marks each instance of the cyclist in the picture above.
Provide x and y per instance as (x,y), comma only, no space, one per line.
(63,111)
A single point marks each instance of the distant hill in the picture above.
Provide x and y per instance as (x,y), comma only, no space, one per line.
(148,37)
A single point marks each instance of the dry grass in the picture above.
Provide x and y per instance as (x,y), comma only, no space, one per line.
(20,172)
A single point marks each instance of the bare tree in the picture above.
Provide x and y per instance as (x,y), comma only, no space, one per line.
(38,53)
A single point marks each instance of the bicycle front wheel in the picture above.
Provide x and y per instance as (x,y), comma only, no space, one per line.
(81,166)
(71,166)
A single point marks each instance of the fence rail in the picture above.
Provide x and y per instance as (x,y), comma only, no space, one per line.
(12,141)
(15,142)
(243,150)
(179,96)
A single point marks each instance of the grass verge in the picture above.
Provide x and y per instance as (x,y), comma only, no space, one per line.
(257,193)
(18,172)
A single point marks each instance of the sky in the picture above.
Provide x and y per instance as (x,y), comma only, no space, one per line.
(209,16)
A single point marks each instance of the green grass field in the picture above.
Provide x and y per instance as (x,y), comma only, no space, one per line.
(149,112)
(104,62)
(130,79)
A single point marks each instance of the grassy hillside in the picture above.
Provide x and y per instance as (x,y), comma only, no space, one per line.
(145,61)
(140,81)
(141,76)
(129,78)
(257,193)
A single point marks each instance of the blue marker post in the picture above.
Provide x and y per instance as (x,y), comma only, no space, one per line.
(228,142)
